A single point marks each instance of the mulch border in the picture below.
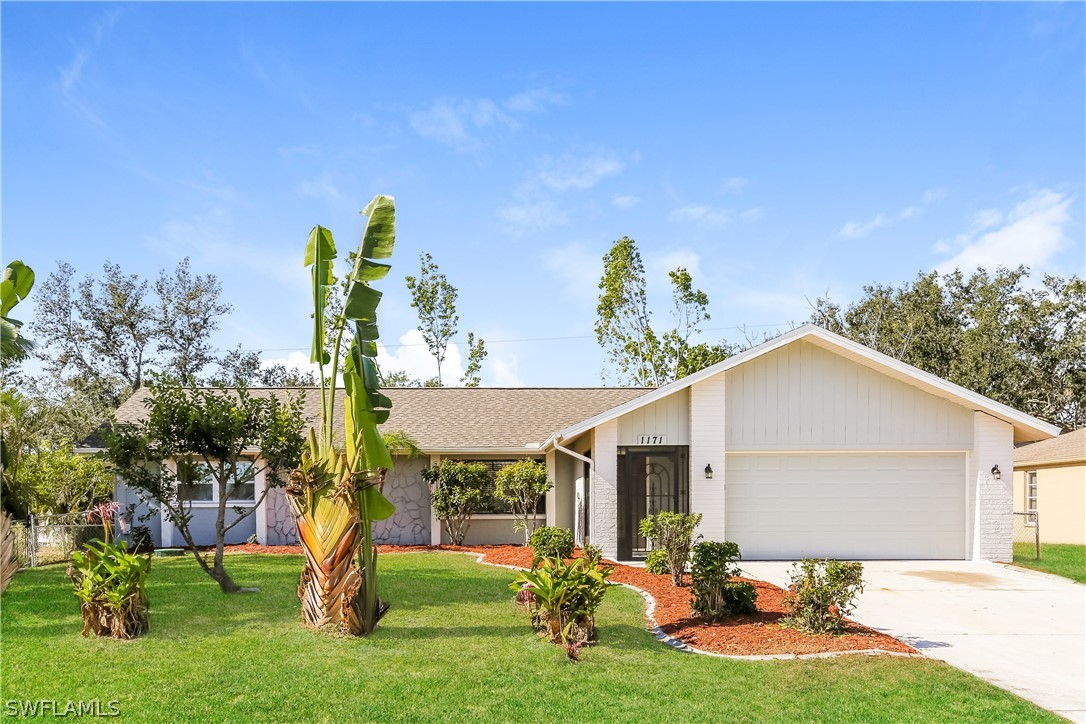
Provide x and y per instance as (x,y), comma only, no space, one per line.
(479,553)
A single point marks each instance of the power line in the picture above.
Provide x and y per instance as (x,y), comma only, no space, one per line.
(738,328)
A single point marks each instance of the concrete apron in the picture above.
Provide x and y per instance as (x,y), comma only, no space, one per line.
(1022,631)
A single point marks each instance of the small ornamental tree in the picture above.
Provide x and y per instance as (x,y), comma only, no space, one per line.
(208,436)
(457,490)
(674,533)
(521,485)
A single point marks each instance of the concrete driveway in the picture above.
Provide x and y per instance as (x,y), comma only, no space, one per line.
(1022,631)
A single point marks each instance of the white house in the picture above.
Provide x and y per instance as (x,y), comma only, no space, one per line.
(807,445)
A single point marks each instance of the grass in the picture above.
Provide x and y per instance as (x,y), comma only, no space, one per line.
(1065,560)
(452,647)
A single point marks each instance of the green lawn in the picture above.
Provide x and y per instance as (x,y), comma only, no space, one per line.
(1064,560)
(453,647)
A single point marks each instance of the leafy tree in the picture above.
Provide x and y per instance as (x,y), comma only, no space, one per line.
(435,300)
(399,378)
(989,332)
(457,490)
(60,481)
(239,367)
(641,354)
(206,432)
(476,354)
(522,484)
(101,334)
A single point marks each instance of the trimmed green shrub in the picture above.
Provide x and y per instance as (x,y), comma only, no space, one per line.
(715,596)
(550,541)
(821,594)
(656,562)
(674,533)
(522,484)
(592,553)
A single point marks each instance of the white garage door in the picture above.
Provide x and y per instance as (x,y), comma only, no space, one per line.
(801,505)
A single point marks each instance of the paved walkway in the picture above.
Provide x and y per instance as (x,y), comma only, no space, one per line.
(1021,631)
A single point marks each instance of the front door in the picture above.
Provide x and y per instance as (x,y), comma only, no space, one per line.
(651,480)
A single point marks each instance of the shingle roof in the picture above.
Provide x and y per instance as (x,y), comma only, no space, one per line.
(1068,447)
(448,419)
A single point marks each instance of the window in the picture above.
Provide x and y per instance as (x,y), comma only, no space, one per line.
(197,484)
(497,505)
(1031,497)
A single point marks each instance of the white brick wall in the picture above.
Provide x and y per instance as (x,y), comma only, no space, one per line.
(604,496)
(991,501)
(707,435)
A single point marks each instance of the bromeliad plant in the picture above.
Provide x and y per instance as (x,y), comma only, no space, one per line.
(110,582)
(335,494)
(563,599)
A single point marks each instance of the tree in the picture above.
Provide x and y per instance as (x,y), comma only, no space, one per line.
(624,326)
(17,282)
(522,484)
(60,481)
(240,367)
(457,490)
(188,311)
(197,438)
(988,332)
(435,300)
(335,492)
(476,354)
(100,335)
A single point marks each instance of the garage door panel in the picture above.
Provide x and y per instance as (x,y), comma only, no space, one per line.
(846,505)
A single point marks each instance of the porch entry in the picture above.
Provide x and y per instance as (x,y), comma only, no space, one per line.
(650,480)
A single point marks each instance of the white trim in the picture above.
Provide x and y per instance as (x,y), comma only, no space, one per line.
(435,524)
(1029,424)
(851,451)
(261,513)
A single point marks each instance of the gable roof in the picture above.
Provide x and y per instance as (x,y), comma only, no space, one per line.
(452,419)
(1070,447)
(1026,427)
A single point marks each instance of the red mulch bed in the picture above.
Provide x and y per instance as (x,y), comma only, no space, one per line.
(738,636)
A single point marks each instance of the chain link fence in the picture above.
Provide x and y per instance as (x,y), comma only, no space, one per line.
(1027,535)
(44,539)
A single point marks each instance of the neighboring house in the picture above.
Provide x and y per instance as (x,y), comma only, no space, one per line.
(807,445)
(1050,481)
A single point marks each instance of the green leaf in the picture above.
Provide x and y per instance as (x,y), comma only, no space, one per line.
(380,234)
(378,507)
(362,303)
(369,349)
(17,283)
(371,271)
(366,332)
(320,246)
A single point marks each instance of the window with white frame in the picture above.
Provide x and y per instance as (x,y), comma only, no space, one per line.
(1031,497)
(197,484)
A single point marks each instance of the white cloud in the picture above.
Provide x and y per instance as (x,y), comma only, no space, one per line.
(577,269)
(686,258)
(293,361)
(735,185)
(412,356)
(1031,234)
(860,229)
(987,218)
(323,187)
(504,372)
(456,123)
(625,201)
(572,171)
(535,101)
(532,210)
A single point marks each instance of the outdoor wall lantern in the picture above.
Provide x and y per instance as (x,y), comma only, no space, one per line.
(708,472)
(996,475)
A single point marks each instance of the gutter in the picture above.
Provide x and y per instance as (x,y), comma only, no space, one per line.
(553,440)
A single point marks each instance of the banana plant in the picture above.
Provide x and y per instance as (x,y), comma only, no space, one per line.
(336,492)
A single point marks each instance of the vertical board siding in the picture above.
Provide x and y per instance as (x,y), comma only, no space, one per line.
(802,396)
(669,416)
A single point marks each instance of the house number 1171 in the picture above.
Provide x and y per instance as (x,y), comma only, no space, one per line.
(652,440)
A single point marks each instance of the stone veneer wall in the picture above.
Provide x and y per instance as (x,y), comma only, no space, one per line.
(404,486)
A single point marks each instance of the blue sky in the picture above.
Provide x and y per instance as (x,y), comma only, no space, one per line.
(777,150)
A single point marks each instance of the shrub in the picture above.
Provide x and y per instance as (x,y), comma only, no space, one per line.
(563,599)
(821,594)
(522,484)
(550,541)
(141,538)
(656,562)
(593,554)
(715,596)
(457,490)
(674,533)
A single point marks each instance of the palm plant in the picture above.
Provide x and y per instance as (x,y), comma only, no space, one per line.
(335,493)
